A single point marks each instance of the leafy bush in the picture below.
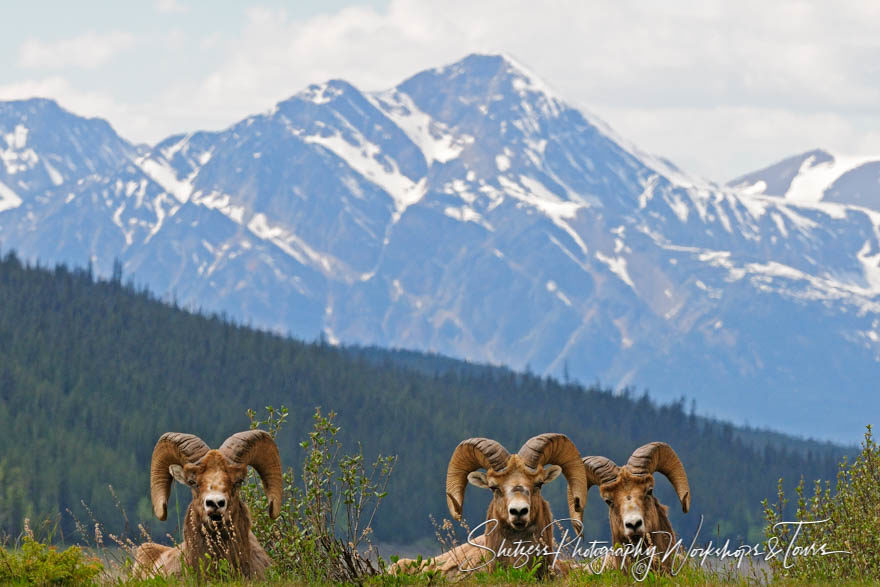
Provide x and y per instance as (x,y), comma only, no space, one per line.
(846,520)
(40,563)
(325,522)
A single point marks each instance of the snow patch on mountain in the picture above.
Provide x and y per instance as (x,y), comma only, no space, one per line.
(553,288)
(161,213)
(869,256)
(467,214)
(368,160)
(8,198)
(54,176)
(219,201)
(617,265)
(436,142)
(321,93)
(535,194)
(16,158)
(860,290)
(813,180)
(160,171)
(18,138)
(817,177)
(295,247)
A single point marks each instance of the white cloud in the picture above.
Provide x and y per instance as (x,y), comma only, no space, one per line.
(650,68)
(171,7)
(88,51)
(718,87)
(728,141)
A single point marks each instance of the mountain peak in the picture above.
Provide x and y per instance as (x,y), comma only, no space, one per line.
(486,85)
(817,175)
(776,179)
(326,92)
(31,105)
(495,66)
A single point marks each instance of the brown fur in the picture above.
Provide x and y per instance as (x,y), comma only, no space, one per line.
(627,490)
(539,529)
(516,480)
(229,538)
(450,563)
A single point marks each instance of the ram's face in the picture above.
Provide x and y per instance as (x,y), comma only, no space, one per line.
(516,492)
(215,482)
(630,499)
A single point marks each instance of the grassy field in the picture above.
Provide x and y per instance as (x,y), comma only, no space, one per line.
(308,543)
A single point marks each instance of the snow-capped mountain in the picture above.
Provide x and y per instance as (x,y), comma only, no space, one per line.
(472,211)
(43,146)
(818,176)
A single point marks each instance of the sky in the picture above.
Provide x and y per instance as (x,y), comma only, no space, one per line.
(720,88)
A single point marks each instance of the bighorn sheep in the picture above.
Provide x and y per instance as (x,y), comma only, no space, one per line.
(217,522)
(517,512)
(633,511)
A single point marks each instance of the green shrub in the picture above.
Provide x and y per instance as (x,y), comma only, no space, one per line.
(40,563)
(847,519)
(325,521)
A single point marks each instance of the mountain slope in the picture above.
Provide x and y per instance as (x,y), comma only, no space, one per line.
(472,211)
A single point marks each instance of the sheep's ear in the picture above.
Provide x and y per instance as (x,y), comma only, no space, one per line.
(177,472)
(478,479)
(551,472)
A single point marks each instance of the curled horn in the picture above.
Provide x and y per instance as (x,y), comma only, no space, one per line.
(659,456)
(257,449)
(470,455)
(600,470)
(557,449)
(173,448)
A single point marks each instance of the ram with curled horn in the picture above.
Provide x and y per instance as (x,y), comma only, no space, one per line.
(633,511)
(217,521)
(517,512)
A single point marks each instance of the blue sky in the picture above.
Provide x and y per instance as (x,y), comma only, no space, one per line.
(720,88)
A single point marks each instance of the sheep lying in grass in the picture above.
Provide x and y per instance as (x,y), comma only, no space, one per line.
(517,512)
(217,522)
(633,511)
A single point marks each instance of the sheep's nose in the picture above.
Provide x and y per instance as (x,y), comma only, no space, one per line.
(519,512)
(634,524)
(215,504)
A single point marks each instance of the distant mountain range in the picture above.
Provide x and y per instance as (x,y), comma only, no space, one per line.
(473,212)
(818,176)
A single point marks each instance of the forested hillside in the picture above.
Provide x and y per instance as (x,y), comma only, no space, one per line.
(91,373)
